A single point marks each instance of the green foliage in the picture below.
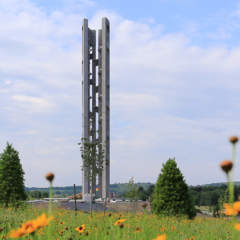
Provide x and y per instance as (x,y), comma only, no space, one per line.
(145,194)
(142,195)
(149,192)
(171,196)
(216,211)
(92,156)
(221,200)
(209,195)
(12,190)
(132,192)
(38,194)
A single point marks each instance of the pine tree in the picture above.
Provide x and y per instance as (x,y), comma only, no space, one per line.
(12,190)
(171,196)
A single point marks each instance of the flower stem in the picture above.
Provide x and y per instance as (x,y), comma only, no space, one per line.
(50,200)
(234,153)
(230,188)
(231,183)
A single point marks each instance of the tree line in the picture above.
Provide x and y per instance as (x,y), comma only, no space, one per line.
(211,195)
(202,195)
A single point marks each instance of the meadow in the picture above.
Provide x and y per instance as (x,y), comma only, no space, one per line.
(65,224)
(54,223)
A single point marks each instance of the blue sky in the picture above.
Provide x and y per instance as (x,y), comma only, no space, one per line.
(174,86)
(208,22)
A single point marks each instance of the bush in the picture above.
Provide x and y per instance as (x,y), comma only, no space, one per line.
(171,196)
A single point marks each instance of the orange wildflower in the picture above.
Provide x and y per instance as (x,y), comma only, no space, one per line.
(229,211)
(119,221)
(16,233)
(81,228)
(232,210)
(237,226)
(30,226)
(42,221)
(161,237)
(236,206)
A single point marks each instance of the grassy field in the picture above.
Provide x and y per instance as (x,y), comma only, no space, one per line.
(66,225)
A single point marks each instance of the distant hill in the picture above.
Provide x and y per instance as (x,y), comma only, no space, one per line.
(118,188)
(237,183)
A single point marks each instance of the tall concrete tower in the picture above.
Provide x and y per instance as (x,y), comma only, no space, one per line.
(96,102)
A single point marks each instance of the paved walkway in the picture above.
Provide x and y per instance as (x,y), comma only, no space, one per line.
(82,206)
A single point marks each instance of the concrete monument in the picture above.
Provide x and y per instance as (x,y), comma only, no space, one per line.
(96,102)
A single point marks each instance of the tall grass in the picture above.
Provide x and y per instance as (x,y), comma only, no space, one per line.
(135,226)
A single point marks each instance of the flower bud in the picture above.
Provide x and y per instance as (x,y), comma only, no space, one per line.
(49,176)
(233,139)
(121,225)
(226,165)
(144,205)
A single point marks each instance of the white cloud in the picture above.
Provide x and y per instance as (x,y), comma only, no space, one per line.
(33,104)
(134,101)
